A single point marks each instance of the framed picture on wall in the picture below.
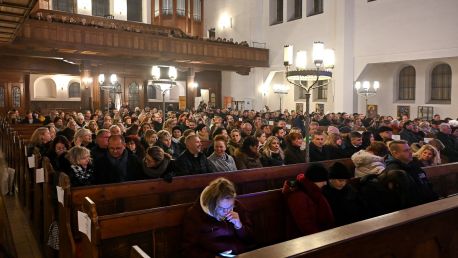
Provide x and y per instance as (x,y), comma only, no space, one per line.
(403,110)
(371,110)
(425,112)
(300,107)
(319,108)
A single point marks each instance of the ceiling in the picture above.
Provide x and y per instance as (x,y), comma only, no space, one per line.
(12,15)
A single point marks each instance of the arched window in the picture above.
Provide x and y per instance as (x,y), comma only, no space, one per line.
(151,90)
(441,82)
(134,98)
(16,97)
(100,7)
(406,83)
(63,5)
(74,90)
(2,97)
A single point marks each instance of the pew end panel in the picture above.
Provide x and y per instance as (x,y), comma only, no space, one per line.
(66,240)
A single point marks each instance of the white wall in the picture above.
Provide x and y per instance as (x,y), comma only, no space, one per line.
(84,7)
(390,34)
(361,33)
(250,21)
(386,98)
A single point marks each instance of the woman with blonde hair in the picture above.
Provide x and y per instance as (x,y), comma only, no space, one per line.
(81,171)
(41,138)
(149,139)
(83,137)
(217,223)
(169,124)
(333,146)
(426,156)
(271,153)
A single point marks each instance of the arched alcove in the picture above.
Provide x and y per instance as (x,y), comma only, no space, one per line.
(45,88)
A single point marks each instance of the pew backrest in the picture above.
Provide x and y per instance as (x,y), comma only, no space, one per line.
(158,230)
(429,230)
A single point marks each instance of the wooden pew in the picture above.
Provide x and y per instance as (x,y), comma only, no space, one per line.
(249,178)
(444,178)
(138,195)
(158,230)
(137,252)
(7,247)
(428,230)
(49,204)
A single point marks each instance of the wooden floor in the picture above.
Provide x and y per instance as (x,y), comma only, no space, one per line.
(26,245)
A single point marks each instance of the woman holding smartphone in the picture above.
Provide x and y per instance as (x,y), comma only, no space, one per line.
(217,223)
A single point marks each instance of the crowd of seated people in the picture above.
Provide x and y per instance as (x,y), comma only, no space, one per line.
(215,140)
(125,145)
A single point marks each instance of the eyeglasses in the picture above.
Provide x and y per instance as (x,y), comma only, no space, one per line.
(224,210)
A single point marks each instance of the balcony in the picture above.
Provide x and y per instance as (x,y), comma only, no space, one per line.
(73,36)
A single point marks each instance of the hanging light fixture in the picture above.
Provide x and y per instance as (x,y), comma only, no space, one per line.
(308,78)
(164,84)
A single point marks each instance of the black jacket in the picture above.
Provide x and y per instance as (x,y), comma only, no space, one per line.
(316,154)
(334,152)
(274,160)
(450,150)
(105,172)
(187,164)
(423,187)
(346,204)
(294,155)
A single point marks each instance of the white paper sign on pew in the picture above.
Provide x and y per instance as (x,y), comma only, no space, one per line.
(31,161)
(60,195)
(39,175)
(84,224)
(396,137)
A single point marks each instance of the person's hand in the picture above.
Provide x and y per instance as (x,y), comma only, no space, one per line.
(233,217)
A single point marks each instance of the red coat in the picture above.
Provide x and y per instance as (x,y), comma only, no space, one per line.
(309,208)
(205,236)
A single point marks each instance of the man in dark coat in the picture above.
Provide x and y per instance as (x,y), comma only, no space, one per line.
(401,159)
(354,144)
(450,143)
(408,135)
(118,165)
(192,160)
(101,144)
(317,152)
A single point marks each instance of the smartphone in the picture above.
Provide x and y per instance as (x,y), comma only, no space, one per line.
(227,254)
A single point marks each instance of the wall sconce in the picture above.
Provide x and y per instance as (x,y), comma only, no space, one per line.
(264,89)
(195,85)
(225,21)
(87,81)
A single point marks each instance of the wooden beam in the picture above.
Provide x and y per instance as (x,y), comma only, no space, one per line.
(15,15)
(13,6)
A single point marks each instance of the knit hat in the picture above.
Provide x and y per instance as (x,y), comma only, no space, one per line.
(317,173)
(333,129)
(199,127)
(339,171)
